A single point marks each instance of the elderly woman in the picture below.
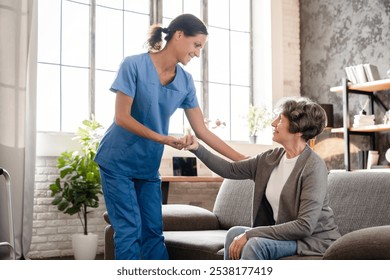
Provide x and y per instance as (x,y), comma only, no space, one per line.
(291,213)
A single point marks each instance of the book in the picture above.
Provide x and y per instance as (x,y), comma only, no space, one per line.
(350,74)
(362,73)
(372,72)
(363,120)
(362,159)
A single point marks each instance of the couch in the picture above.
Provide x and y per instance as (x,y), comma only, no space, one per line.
(360,201)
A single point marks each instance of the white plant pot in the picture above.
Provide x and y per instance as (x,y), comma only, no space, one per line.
(84,246)
(252,139)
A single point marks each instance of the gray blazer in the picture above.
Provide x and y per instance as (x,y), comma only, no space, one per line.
(304,212)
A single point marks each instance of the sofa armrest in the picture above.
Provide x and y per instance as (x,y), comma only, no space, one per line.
(365,244)
(181,217)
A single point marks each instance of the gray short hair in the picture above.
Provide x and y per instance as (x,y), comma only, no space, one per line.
(304,115)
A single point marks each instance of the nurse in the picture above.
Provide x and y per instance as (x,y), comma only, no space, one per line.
(149,88)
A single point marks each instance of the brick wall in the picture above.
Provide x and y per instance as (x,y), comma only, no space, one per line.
(52,230)
(198,194)
(291,47)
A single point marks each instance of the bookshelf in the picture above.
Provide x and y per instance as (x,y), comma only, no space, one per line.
(368,89)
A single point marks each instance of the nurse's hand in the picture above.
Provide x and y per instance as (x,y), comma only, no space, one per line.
(175,142)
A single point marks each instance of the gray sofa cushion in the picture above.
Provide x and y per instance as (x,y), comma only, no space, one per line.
(364,244)
(359,199)
(233,205)
(195,245)
(188,217)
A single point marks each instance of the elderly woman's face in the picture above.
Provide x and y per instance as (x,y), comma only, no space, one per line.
(281,133)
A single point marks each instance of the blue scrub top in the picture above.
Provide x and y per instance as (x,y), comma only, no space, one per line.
(126,153)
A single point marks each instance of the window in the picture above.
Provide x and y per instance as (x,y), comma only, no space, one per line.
(81,44)
(229,66)
(77,61)
(121,29)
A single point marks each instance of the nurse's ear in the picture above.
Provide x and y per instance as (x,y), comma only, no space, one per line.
(178,34)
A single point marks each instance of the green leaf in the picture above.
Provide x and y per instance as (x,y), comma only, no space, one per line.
(78,185)
(56,200)
(62,206)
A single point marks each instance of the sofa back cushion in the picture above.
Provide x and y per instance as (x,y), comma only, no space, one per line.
(359,199)
(233,205)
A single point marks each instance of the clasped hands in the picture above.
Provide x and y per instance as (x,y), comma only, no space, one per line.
(187,142)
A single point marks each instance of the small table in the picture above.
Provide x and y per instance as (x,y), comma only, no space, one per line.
(165,180)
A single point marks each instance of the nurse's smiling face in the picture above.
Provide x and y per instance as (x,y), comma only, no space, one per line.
(188,46)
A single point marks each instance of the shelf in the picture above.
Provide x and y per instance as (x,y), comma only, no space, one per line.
(368,128)
(368,87)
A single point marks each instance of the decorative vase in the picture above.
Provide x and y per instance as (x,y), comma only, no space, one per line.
(84,246)
(252,139)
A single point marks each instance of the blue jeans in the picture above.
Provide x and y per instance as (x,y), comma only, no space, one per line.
(134,209)
(258,248)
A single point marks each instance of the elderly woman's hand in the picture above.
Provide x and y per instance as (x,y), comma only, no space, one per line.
(236,246)
(191,142)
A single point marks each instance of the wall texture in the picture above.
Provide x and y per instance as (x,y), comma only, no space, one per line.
(336,34)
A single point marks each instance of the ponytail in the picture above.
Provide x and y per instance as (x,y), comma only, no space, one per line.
(155,42)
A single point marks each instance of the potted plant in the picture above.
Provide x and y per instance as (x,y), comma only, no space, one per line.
(258,119)
(78,186)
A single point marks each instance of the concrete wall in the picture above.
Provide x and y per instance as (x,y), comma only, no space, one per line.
(336,34)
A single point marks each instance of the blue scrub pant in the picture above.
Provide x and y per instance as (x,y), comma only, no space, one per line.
(258,248)
(135,212)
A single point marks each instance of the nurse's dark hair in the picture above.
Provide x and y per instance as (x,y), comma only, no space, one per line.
(189,24)
(304,115)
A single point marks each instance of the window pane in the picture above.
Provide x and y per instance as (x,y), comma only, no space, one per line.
(176,123)
(48,97)
(74,97)
(109,44)
(240,58)
(81,1)
(218,13)
(199,93)
(75,34)
(116,4)
(219,50)
(219,108)
(172,8)
(49,21)
(194,68)
(135,38)
(137,6)
(239,112)
(240,15)
(192,7)
(105,99)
